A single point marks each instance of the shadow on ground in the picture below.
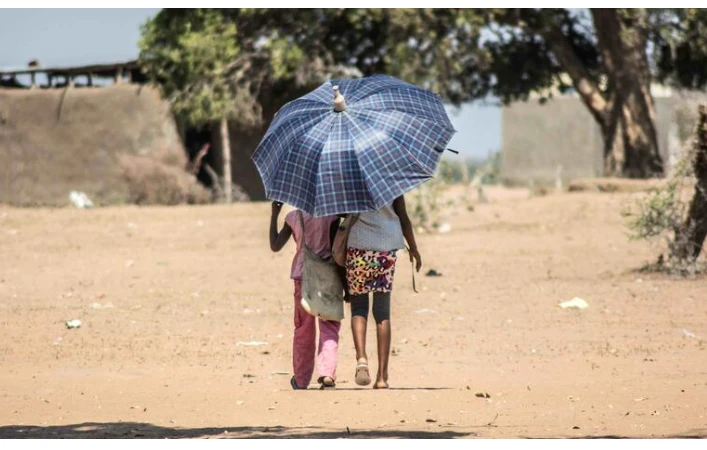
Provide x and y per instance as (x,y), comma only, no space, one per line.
(134,430)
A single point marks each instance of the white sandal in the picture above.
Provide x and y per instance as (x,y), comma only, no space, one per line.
(363,378)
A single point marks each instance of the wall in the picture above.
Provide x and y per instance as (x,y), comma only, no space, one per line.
(540,141)
(53,141)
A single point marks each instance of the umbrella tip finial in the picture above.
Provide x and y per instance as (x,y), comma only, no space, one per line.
(339,102)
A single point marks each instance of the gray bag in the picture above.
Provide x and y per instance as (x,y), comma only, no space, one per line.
(322,287)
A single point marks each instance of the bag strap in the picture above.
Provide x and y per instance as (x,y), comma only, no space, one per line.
(412,264)
(303,241)
(354,218)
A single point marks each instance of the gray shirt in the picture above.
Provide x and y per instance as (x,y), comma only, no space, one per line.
(377,230)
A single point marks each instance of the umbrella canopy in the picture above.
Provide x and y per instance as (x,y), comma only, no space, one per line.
(380,138)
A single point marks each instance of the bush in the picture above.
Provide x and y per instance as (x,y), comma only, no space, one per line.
(663,216)
(153,182)
(428,206)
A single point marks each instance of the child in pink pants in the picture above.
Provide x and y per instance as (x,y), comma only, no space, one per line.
(319,232)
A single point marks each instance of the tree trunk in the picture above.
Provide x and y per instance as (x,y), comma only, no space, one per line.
(226,149)
(622,39)
(693,232)
(642,158)
(613,135)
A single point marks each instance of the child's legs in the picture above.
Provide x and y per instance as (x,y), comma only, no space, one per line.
(303,342)
(359,321)
(381,314)
(328,348)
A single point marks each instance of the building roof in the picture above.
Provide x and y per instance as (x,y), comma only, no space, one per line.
(106,70)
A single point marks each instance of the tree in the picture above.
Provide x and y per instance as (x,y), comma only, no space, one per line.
(609,58)
(667,214)
(691,236)
(195,58)
(428,47)
(281,54)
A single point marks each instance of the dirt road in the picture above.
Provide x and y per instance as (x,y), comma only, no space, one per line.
(172,300)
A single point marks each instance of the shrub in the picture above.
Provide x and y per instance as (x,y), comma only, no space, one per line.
(153,182)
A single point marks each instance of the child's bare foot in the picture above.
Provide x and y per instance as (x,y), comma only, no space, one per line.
(381,381)
(380,384)
(363,377)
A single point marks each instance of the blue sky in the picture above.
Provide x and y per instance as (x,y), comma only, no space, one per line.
(65,37)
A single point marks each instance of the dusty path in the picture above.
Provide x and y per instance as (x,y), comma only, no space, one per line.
(165,295)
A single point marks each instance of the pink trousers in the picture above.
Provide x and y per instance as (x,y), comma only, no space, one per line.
(304,347)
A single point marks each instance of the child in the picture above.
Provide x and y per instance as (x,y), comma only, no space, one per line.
(371,255)
(319,236)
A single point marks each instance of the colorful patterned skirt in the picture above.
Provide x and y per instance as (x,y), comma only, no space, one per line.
(369,270)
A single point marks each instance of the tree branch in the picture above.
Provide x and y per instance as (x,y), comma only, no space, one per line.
(583,83)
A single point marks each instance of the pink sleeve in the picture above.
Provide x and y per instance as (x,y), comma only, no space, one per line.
(290,219)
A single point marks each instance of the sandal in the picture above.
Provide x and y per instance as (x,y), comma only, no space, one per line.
(363,378)
(293,383)
(326,383)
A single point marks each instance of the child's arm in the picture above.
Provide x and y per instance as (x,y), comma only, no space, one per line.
(332,231)
(278,240)
(399,207)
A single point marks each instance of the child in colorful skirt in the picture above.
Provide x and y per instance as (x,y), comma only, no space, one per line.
(373,243)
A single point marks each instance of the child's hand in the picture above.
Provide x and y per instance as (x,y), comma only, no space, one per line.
(276,207)
(414,254)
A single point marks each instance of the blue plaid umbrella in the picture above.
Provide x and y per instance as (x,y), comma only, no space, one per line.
(382,138)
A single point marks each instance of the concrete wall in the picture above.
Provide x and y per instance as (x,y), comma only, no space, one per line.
(561,136)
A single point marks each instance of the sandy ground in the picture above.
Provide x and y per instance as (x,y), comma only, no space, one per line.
(168,296)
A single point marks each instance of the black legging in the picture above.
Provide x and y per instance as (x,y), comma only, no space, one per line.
(381,306)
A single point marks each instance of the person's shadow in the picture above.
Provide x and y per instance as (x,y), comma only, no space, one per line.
(136,430)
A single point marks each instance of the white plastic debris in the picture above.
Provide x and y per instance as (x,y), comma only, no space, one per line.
(426,311)
(444,228)
(80,200)
(70,324)
(99,306)
(575,303)
(688,333)
(251,343)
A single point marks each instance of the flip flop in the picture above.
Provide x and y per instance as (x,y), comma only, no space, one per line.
(326,383)
(363,378)
(293,383)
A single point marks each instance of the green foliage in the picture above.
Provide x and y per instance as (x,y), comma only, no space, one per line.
(428,206)
(680,46)
(520,61)
(294,48)
(433,202)
(660,216)
(192,56)
(461,54)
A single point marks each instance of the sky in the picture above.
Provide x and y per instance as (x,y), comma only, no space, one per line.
(68,37)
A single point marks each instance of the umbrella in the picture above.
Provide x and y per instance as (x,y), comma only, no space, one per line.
(353,145)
